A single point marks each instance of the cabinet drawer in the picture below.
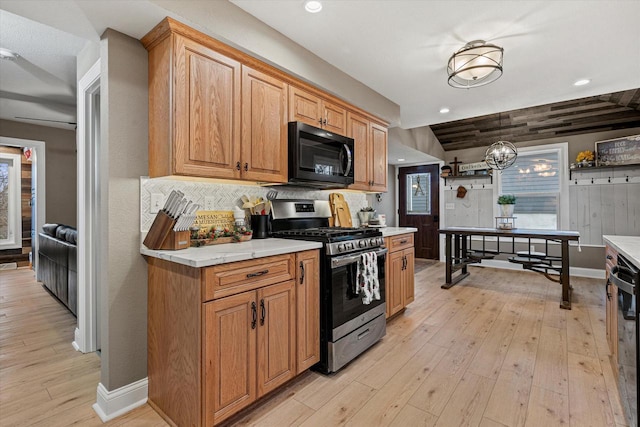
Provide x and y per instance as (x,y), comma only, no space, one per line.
(228,279)
(402,241)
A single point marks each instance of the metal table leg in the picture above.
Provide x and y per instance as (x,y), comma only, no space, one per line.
(564,277)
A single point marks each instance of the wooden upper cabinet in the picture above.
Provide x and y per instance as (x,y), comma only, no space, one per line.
(304,107)
(311,109)
(216,112)
(205,88)
(378,171)
(334,118)
(370,146)
(264,127)
(358,128)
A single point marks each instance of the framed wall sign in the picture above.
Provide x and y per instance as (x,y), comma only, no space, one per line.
(618,151)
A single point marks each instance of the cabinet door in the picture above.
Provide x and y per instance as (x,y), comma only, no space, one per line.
(358,128)
(378,145)
(395,277)
(308,309)
(276,336)
(334,118)
(264,127)
(408,293)
(207,112)
(304,107)
(230,355)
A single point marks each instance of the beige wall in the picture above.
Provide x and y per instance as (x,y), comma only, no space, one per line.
(124,158)
(60,153)
(422,139)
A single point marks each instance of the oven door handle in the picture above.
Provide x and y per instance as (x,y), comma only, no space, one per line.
(622,284)
(350,259)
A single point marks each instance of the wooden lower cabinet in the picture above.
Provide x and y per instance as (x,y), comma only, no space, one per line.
(308,309)
(400,273)
(211,356)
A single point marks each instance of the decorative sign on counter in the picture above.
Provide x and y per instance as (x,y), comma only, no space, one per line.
(619,151)
(215,227)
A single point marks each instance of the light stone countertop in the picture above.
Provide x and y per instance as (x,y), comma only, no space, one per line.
(394,231)
(205,256)
(628,246)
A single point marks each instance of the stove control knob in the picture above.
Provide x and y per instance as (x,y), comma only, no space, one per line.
(362,243)
(373,242)
(341,247)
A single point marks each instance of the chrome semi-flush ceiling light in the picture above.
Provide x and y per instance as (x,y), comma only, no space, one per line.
(478,63)
(502,154)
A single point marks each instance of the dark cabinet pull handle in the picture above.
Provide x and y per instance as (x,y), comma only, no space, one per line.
(254,315)
(238,165)
(301,272)
(324,122)
(403,241)
(320,121)
(246,167)
(257,274)
(607,289)
(263,312)
(609,257)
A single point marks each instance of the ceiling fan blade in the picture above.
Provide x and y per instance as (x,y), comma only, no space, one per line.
(47,120)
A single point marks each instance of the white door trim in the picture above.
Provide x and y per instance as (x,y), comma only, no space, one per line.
(39,160)
(86,333)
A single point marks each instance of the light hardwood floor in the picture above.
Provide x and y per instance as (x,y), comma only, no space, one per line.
(493,351)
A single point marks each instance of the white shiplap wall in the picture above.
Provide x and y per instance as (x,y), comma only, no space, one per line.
(601,201)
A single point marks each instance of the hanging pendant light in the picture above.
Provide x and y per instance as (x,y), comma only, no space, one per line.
(478,63)
(502,154)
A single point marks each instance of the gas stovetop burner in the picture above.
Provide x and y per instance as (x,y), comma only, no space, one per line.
(328,232)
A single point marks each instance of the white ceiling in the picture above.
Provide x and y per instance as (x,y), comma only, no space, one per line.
(397,47)
(400,49)
(41,82)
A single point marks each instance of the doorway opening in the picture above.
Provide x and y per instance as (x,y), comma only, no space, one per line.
(87,335)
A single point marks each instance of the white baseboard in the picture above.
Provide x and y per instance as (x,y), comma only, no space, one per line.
(112,404)
(76,338)
(593,273)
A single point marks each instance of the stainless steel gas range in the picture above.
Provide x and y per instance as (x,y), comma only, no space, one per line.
(348,325)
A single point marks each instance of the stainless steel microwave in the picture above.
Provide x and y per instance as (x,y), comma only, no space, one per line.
(318,158)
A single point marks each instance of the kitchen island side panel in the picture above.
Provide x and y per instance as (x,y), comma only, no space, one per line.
(175,342)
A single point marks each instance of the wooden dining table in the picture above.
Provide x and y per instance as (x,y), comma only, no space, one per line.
(469,245)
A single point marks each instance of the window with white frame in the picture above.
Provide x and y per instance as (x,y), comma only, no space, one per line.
(10,208)
(538,180)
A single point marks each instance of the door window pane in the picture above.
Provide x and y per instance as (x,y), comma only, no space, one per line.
(419,194)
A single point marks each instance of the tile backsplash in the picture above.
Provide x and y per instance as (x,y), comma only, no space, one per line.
(227,196)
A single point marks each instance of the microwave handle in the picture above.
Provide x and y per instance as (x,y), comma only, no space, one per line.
(349,159)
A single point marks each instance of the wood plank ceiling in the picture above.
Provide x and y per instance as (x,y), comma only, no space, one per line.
(619,110)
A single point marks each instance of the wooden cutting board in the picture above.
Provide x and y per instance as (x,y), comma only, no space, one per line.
(340,210)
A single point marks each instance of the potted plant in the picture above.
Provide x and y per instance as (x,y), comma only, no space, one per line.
(507,203)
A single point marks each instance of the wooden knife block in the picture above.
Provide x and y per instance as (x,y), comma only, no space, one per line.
(162,236)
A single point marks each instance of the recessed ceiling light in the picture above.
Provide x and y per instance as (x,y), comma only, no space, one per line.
(444,110)
(8,54)
(312,6)
(401,160)
(582,82)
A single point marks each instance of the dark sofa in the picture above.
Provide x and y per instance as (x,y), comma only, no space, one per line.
(57,269)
